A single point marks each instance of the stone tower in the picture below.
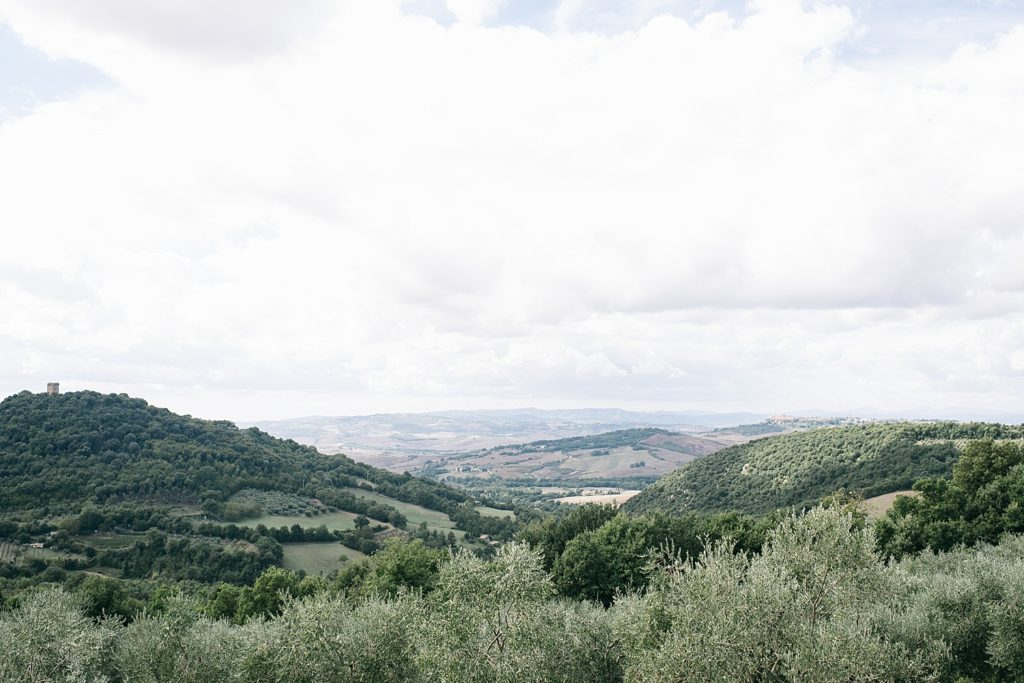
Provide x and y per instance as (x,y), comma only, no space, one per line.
(53,388)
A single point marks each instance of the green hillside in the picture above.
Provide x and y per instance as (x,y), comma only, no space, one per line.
(799,469)
(60,452)
(135,491)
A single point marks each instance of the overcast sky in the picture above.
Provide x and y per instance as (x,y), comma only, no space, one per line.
(270,209)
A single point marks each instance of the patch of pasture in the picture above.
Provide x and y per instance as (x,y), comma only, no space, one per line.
(494,512)
(16,552)
(600,499)
(416,514)
(318,558)
(334,521)
(43,554)
(109,541)
(8,552)
(879,505)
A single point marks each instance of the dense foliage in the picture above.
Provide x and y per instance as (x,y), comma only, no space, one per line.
(596,552)
(817,604)
(982,500)
(60,452)
(797,470)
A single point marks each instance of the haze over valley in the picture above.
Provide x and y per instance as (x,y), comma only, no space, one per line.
(532,444)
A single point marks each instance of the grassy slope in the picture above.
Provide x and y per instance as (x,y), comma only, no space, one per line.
(494,512)
(416,514)
(879,505)
(318,558)
(800,468)
(107,541)
(340,520)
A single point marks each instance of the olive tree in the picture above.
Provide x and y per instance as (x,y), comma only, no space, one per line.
(802,610)
(49,638)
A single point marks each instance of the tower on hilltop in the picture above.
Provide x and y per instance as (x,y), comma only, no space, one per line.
(53,388)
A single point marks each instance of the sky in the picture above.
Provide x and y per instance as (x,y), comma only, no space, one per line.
(271,209)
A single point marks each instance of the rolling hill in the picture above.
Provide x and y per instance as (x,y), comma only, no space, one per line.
(93,474)
(60,452)
(402,442)
(800,468)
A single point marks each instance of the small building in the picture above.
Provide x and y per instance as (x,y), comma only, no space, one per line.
(53,388)
(36,545)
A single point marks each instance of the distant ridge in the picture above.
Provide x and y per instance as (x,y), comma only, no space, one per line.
(468,430)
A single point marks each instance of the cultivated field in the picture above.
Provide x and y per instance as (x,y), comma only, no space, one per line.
(318,558)
(8,551)
(340,521)
(877,507)
(108,541)
(613,456)
(44,554)
(416,514)
(494,512)
(600,499)
(15,552)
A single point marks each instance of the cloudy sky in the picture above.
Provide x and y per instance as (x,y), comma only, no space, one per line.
(269,209)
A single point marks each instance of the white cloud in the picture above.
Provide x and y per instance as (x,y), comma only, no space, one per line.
(473,12)
(368,209)
(211,29)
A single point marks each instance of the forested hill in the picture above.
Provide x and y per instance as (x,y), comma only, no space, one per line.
(60,452)
(799,469)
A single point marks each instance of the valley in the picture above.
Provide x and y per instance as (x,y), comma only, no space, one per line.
(402,441)
(127,521)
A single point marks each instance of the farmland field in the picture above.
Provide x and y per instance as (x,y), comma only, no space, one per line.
(494,512)
(8,551)
(600,499)
(877,507)
(416,514)
(334,521)
(318,558)
(108,541)
(43,554)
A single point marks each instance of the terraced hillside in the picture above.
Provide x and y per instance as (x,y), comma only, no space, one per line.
(800,468)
